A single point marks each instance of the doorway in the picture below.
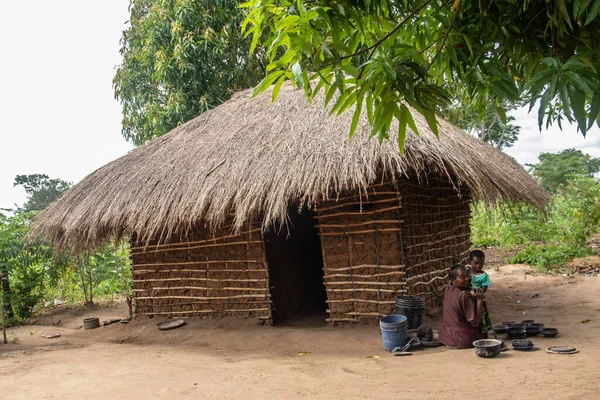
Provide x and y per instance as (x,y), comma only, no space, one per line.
(296,271)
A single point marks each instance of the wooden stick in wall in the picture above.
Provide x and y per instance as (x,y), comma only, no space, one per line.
(394,273)
(352,282)
(242,289)
(267,273)
(144,249)
(165,271)
(210,298)
(348,233)
(362,301)
(199,279)
(362,266)
(365,195)
(336,206)
(380,221)
(358,213)
(196,263)
(202,247)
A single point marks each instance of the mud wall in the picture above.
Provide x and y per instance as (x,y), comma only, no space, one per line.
(203,273)
(435,234)
(362,255)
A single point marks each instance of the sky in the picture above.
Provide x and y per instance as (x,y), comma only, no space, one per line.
(58,115)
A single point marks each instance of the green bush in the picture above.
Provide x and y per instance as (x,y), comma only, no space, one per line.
(548,256)
(552,236)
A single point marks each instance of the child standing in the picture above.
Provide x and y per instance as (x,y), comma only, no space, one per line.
(480,281)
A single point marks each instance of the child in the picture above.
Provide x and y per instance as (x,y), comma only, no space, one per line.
(480,281)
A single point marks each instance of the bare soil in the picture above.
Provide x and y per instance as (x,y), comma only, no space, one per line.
(230,359)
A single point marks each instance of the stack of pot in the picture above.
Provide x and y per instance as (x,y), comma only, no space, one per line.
(412,308)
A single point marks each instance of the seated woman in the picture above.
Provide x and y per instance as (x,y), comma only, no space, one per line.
(460,315)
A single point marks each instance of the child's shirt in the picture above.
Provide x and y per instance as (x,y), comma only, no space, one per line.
(480,280)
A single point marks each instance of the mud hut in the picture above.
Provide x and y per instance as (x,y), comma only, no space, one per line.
(267,210)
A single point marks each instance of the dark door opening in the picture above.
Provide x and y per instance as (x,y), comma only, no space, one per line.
(296,271)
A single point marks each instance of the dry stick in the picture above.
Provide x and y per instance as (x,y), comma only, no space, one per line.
(401,232)
(365,266)
(200,279)
(209,303)
(201,247)
(371,314)
(197,262)
(362,301)
(336,206)
(350,261)
(189,258)
(362,290)
(377,248)
(203,288)
(360,195)
(380,221)
(265,263)
(324,258)
(396,273)
(357,213)
(164,271)
(248,237)
(358,232)
(144,249)
(341,320)
(245,296)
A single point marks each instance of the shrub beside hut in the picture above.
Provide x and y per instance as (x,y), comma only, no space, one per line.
(267,210)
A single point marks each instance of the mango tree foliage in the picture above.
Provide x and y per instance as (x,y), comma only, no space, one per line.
(380,55)
(180,58)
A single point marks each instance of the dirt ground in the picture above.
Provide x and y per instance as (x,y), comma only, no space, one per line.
(228,360)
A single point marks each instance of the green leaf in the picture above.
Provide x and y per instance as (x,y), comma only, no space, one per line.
(370,112)
(577,98)
(562,9)
(339,79)
(432,122)
(277,88)
(542,110)
(594,110)
(356,118)
(306,86)
(297,74)
(593,13)
(341,100)
(266,82)
(402,122)
(578,81)
(329,94)
(410,120)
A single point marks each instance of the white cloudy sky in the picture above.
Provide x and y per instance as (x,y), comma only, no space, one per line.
(57,111)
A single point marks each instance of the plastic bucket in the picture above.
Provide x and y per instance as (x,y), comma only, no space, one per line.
(393,331)
(412,308)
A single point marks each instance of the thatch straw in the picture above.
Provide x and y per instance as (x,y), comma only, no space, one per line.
(253,157)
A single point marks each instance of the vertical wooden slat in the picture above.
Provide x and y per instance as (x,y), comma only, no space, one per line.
(266,266)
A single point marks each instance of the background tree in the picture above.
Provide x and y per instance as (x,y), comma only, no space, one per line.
(491,127)
(41,190)
(378,54)
(180,58)
(554,169)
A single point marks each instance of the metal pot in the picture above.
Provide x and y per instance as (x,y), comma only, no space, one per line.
(487,347)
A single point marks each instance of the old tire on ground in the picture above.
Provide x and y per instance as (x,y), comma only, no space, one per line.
(91,323)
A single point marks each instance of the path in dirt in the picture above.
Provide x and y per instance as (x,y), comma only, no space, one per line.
(220,359)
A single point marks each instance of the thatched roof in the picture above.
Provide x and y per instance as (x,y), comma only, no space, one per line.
(250,156)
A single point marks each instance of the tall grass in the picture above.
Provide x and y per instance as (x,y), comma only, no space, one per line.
(549,238)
